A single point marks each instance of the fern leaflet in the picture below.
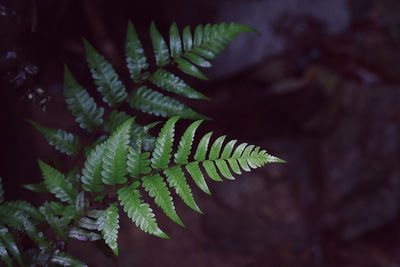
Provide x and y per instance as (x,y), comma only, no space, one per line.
(61,140)
(104,76)
(140,213)
(115,155)
(56,183)
(91,173)
(108,224)
(174,84)
(152,102)
(81,104)
(158,190)
(135,58)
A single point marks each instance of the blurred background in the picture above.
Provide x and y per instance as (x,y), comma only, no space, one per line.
(319,88)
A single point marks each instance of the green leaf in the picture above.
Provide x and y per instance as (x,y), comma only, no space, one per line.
(158,190)
(202,147)
(198,60)
(224,169)
(187,38)
(114,120)
(176,179)
(163,147)
(81,104)
(37,188)
(83,235)
(135,58)
(140,213)
(115,155)
(61,140)
(153,102)
(160,47)
(108,224)
(185,145)
(174,84)
(175,41)
(195,171)
(91,173)
(104,76)
(1,191)
(190,69)
(67,260)
(216,147)
(198,35)
(211,170)
(7,242)
(56,183)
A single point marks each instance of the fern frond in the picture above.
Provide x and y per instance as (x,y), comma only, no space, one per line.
(108,224)
(7,242)
(81,104)
(60,139)
(190,69)
(1,191)
(115,155)
(158,190)
(140,213)
(153,102)
(211,159)
(104,76)
(56,183)
(171,83)
(161,52)
(66,260)
(135,58)
(91,173)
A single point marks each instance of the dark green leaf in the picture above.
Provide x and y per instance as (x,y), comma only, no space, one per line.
(160,47)
(135,58)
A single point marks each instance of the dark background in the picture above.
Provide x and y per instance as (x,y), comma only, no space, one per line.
(319,88)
